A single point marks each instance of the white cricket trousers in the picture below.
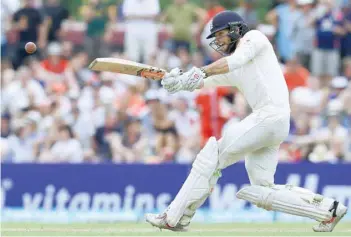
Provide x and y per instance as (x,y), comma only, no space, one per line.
(140,41)
(256,139)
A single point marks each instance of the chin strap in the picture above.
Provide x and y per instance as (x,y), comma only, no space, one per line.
(231,47)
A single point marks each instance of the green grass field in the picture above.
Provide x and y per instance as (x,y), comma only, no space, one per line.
(143,229)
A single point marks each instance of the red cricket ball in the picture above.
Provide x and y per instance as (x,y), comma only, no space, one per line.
(30,47)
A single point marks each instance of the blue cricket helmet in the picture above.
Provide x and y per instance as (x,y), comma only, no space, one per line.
(222,21)
(233,22)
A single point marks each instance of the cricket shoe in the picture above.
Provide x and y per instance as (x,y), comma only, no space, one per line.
(159,220)
(339,211)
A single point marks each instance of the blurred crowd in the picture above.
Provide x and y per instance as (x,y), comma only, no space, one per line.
(54,109)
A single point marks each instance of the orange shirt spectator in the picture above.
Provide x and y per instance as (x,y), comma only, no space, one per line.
(136,105)
(131,101)
(57,67)
(57,71)
(295,75)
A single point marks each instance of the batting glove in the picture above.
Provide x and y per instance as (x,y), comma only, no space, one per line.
(176,81)
(172,81)
(192,79)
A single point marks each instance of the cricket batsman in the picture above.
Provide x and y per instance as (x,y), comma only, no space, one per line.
(250,64)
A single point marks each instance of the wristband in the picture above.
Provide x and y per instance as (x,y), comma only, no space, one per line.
(204,72)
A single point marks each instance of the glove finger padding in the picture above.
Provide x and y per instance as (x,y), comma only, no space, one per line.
(170,78)
(173,73)
(175,88)
(169,82)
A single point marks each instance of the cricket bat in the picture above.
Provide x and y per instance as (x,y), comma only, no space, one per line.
(127,67)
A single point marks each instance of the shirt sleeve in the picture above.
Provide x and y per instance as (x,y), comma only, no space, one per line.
(250,46)
(126,8)
(155,7)
(279,9)
(217,80)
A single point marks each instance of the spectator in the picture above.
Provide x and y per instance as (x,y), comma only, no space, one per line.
(334,136)
(308,98)
(5,125)
(166,135)
(66,149)
(100,105)
(185,58)
(247,11)
(101,142)
(114,125)
(284,18)
(21,146)
(295,74)
(198,59)
(58,75)
(131,147)
(95,16)
(55,14)
(289,152)
(153,103)
(326,56)
(22,92)
(187,126)
(81,123)
(62,105)
(78,63)
(140,16)
(7,73)
(345,98)
(268,30)
(299,137)
(275,3)
(337,86)
(107,88)
(346,41)
(47,109)
(136,104)
(29,23)
(8,7)
(35,136)
(180,15)
(5,149)
(304,33)
(165,58)
(83,128)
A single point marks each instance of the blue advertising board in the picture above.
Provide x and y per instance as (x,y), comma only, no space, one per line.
(110,192)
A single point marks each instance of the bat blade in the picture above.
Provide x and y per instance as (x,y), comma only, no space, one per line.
(127,67)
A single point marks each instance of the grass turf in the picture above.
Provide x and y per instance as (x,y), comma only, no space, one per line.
(143,229)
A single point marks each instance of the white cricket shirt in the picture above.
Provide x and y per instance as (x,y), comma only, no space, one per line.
(256,72)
